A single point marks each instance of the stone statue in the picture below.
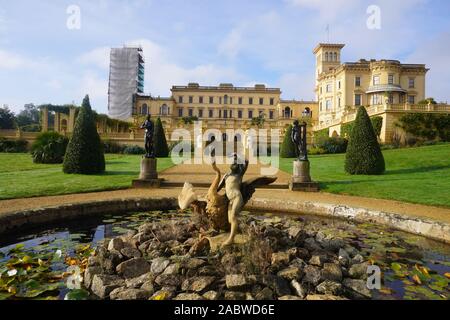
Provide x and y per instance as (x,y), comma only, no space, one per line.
(221,211)
(149,127)
(298,137)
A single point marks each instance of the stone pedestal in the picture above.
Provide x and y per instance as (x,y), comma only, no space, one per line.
(148,178)
(301,178)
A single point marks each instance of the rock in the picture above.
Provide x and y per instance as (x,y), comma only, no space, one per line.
(291,273)
(249,296)
(143,247)
(142,237)
(162,294)
(352,251)
(280,258)
(233,295)
(193,263)
(295,232)
(207,271)
(115,244)
(358,288)
(265,294)
(332,271)
(188,296)
(200,247)
(197,284)
(102,285)
(110,261)
(148,286)
(136,282)
(211,295)
(277,284)
(317,260)
(299,263)
(358,271)
(229,262)
(159,265)
(323,297)
(171,280)
(174,268)
(238,281)
(93,261)
(332,245)
(329,287)
(131,253)
(312,245)
(357,259)
(289,297)
(89,274)
(129,294)
(133,268)
(343,257)
(298,289)
(299,252)
(311,275)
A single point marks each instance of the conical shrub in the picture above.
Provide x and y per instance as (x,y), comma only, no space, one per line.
(363,155)
(160,142)
(287,147)
(84,152)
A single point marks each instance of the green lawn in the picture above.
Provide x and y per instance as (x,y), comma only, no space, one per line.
(20,177)
(418,175)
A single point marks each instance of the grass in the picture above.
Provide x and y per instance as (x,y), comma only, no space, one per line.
(21,178)
(418,175)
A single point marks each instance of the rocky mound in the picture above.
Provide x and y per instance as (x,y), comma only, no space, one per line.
(282,259)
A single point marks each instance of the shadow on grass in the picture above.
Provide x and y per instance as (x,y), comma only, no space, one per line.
(119,173)
(416,170)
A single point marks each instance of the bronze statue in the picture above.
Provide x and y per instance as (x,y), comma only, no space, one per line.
(149,127)
(298,137)
(221,210)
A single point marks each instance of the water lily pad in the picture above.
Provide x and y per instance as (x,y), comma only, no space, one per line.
(77,294)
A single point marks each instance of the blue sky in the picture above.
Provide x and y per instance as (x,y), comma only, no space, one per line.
(208,41)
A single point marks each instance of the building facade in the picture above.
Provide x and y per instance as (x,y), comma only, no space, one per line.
(126,78)
(225,107)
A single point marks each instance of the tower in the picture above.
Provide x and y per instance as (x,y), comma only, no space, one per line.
(328,57)
(126,78)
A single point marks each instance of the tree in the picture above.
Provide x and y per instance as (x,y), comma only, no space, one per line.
(29,115)
(160,142)
(7,119)
(287,147)
(84,153)
(364,154)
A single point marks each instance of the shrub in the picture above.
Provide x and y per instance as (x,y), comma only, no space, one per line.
(287,149)
(113,147)
(49,147)
(84,153)
(315,150)
(426,126)
(321,135)
(334,145)
(160,143)
(377,123)
(13,146)
(134,150)
(364,154)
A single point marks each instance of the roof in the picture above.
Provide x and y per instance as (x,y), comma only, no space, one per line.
(328,45)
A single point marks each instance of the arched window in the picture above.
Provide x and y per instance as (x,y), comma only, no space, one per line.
(144,109)
(164,110)
(287,112)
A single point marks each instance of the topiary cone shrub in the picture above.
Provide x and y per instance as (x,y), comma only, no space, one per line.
(160,142)
(287,147)
(363,155)
(84,154)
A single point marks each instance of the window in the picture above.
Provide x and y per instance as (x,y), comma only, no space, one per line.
(391,79)
(271,114)
(328,104)
(180,112)
(261,101)
(357,99)
(320,90)
(287,112)
(376,80)
(272,101)
(250,100)
(231,100)
(357,81)
(250,114)
(144,109)
(240,114)
(329,89)
(164,110)
(339,103)
(220,100)
(326,56)
(225,113)
(200,99)
(200,113)
(231,113)
(211,100)
(339,84)
(391,98)
(335,57)
(191,99)
(376,99)
(211,113)
(220,113)
(225,99)
(191,112)
(411,83)
(180,99)
(411,99)
(240,100)
(320,106)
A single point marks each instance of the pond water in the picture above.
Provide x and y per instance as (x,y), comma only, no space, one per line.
(33,265)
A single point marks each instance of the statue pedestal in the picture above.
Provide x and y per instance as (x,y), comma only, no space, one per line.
(301,179)
(148,178)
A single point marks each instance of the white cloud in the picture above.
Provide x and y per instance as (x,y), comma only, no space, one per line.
(9,60)
(232,43)
(98,57)
(328,10)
